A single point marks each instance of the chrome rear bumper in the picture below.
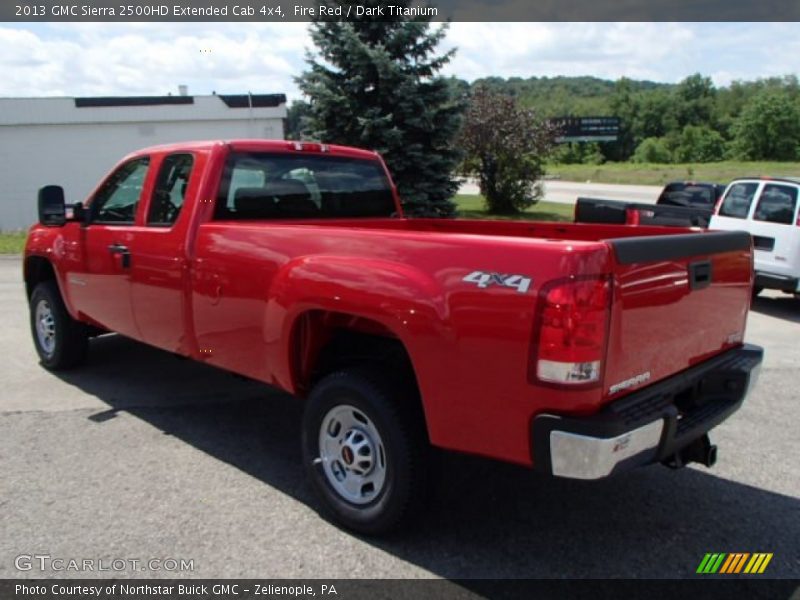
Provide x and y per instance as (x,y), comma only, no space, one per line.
(649,425)
(585,457)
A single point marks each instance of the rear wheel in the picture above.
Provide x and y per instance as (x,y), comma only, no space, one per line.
(61,341)
(365,451)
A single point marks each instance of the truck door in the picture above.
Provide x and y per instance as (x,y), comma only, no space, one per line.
(100,286)
(159,256)
(774,230)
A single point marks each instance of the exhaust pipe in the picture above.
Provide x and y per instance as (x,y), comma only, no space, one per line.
(700,451)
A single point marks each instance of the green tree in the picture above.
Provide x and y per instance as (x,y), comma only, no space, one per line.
(587,153)
(652,150)
(376,84)
(505,146)
(297,116)
(625,106)
(768,127)
(698,143)
(654,116)
(695,102)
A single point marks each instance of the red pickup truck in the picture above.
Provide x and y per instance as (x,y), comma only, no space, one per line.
(580,350)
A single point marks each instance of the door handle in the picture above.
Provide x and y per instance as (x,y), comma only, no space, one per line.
(700,274)
(123,252)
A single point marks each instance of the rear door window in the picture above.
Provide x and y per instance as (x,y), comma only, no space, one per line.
(170,189)
(777,204)
(738,200)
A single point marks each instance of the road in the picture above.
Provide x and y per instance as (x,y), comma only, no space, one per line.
(566,192)
(141,455)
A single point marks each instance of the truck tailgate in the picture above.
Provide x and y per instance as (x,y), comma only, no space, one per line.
(678,300)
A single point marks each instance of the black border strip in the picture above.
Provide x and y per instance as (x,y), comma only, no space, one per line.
(683,245)
(252,100)
(707,587)
(279,11)
(109,101)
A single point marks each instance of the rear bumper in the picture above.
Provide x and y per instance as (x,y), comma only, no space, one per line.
(647,426)
(773,281)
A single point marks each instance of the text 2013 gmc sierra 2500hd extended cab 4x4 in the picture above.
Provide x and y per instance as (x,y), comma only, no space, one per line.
(580,350)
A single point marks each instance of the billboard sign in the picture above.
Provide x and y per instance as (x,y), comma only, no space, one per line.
(586,129)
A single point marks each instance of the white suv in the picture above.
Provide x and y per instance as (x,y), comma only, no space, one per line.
(767,208)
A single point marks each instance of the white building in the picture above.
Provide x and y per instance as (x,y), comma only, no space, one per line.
(74,142)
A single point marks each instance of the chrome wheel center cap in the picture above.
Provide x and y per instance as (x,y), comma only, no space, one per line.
(358,452)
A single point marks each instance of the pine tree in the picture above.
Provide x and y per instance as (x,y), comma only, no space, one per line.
(376,85)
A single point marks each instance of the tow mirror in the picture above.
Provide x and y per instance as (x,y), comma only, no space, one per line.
(52,211)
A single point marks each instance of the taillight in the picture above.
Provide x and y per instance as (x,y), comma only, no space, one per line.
(631,216)
(571,333)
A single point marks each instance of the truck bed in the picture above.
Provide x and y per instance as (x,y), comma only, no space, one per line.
(596,210)
(676,299)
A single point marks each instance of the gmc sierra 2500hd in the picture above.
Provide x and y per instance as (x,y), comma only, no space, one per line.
(580,350)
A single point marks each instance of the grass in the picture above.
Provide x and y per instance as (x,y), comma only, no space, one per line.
(12,242)
(472,207)
(656,174)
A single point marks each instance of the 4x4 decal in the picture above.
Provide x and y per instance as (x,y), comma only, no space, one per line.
(484,280)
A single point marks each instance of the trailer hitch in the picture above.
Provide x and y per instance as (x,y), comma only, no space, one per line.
(700,451)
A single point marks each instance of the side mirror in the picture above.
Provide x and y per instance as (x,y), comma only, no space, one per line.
(52,211)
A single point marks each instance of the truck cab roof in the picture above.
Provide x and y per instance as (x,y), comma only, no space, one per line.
(259,145)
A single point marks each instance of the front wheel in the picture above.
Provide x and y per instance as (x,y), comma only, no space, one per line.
(61,341)
(365,450)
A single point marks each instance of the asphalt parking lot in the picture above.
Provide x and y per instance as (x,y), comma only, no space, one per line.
(140,455)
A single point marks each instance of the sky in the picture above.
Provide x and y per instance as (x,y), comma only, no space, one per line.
(86,59)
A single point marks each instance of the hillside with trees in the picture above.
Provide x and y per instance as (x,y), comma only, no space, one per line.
(693,121)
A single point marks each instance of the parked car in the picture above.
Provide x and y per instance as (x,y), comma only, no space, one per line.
(693,194)
(580,351)
(680,204)
(767,208)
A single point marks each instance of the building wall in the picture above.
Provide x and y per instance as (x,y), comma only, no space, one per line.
(36,150)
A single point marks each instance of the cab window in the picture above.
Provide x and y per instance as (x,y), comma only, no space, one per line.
(777,204)
(738,200)
(293,186)
(169,192)
(117,199)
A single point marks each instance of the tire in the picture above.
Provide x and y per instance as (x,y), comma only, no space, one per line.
(61,342)
(365,450)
